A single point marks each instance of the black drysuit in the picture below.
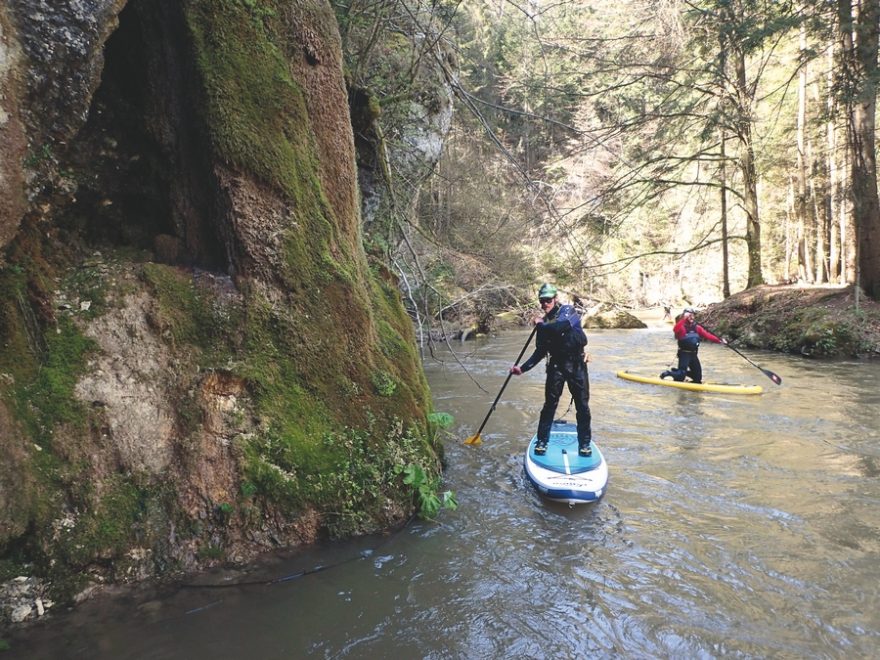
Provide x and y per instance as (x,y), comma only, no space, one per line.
(562,338)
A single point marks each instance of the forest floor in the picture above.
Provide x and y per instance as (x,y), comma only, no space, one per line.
(815,321)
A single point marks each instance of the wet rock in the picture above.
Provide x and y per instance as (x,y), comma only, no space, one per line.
(86,593)
(22,598)
(21,613)
(615,318)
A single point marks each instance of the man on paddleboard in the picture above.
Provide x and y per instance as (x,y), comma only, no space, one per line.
(560,335)
(689,333)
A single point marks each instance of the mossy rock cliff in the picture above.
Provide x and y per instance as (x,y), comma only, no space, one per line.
(197,361)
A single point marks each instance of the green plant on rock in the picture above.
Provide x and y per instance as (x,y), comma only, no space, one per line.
(89,284)
(441,420)
(365,479)
(106,528)
(211,552)
(384,383)
(186,313)
(826,343)
(37,156)
(429,500)
(225,509)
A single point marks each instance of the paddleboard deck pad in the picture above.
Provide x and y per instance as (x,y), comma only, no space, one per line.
(561,474)
(723,388)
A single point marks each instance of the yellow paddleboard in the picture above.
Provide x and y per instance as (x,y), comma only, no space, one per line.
(724,388)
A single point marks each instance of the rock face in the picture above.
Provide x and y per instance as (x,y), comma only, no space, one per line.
(196,360)
(398,145)
(12,133)
(51,59)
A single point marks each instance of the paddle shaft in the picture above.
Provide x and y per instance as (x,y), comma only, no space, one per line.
(772,376)
(506,380)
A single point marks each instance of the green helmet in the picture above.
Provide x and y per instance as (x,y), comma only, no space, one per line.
(547,291)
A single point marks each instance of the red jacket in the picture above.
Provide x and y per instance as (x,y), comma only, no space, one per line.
(683,327)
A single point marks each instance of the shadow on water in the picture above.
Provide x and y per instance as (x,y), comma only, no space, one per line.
(732,526)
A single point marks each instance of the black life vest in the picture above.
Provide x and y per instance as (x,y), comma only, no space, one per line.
(562,334)
(691,339)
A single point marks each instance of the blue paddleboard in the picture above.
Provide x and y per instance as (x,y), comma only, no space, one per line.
(561,474)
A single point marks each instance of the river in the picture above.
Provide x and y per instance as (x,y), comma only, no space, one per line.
(732,526)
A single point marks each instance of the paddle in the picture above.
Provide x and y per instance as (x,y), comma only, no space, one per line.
(476,439)
(772,376)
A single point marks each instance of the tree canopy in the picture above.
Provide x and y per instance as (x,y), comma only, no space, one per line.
(648,151)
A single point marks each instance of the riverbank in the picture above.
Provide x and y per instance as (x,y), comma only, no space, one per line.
(813,321)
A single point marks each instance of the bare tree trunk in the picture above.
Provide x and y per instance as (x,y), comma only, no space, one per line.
(846,84)
(847,218)
(818,218)
(747,168)
(820,226)
(805,268)
(819,189)
(865,184)
(725,271)
(790,223)
(859,37)
(834,194)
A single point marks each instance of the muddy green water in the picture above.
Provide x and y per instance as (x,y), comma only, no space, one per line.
(733,526)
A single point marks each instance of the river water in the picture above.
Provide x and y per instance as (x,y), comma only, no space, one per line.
(732,526)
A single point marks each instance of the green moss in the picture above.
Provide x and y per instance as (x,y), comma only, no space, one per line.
(17,349)
(304,453)
(256,112)
(302,457)
(814,331)
(37,388)
(212,552)
(368,476)
(37,156)
(294,417)
(43,392)
(184,312)
(269,480)
(251,99)
(384,383)
(264,346)
(398,345)
(88,284)
(392,344)
(107,530)
(259,122)
(374,107)
(10,569)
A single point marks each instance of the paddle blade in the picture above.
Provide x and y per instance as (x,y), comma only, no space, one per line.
(776,379)
(474,440)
